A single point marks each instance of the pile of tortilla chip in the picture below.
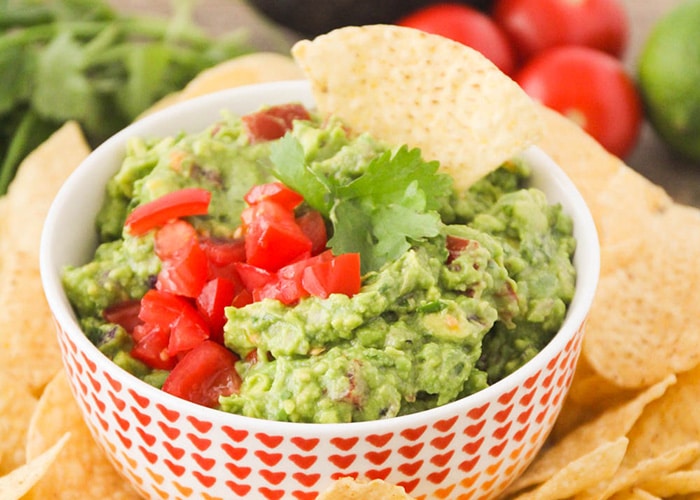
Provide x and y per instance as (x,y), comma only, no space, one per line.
(630,427)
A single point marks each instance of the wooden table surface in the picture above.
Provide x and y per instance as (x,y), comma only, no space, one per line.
(680,178)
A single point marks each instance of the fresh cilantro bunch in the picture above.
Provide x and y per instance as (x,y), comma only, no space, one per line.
(80,60)
(380,213)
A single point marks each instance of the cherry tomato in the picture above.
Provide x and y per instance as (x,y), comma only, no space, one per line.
(273,122)
(534,25)
(468,26)
(590,87)
(181,203)
(203,374)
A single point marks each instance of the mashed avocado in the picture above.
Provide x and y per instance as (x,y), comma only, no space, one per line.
(455,312)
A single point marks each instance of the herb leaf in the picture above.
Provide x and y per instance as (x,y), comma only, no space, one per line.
(378,214)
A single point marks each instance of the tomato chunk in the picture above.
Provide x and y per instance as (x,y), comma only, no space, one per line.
(274,191)
(124,314)
(273,238)
(182,203)
(341,274)
(314,227)
(273,122)
(203,374)
(184,268)
(216,295)
(151,347)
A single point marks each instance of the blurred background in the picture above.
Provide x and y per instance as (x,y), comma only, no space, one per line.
(653,94)
(275,24)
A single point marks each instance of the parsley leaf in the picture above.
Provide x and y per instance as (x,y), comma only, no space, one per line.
(379,214)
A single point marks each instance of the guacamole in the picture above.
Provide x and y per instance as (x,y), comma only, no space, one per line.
(474,285)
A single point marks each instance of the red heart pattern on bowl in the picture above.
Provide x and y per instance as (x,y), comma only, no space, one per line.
(168,455)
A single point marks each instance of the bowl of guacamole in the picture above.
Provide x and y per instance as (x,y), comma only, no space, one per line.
(243,289)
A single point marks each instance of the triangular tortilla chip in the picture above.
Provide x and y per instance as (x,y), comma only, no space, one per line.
(405,86)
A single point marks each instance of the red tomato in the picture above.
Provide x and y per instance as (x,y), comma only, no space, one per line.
(187,331)
(161,308)
(274,191)
(468,26)
(182,203)
(273,238)
(253,277)
(151,347)
(125,314)
(534,25)
(184,265)
(273,122)
(341,274)
(314,227)
(286,286)
(221,255)
(590,87)
(203,374)
(216,295)
(176,317)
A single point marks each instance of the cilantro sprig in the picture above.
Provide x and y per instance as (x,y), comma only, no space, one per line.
(82,60)
(378,214)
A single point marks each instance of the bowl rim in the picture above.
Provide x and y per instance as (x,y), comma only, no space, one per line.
(587,266)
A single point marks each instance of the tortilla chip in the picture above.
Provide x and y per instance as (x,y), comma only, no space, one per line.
(608,427)
(405,86)
(258,67)
(669,422)
(643,324)
(37,181)
(582,473)
(634,494)
(681,482)
(349,489)
(17,483)
(29,353)
(82,470)
(16,407)
(584,160)
(632,475)
(28,349)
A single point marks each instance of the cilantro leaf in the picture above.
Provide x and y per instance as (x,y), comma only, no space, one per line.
(379,214)
(288,157)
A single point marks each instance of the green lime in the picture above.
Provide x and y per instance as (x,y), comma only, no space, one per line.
(669,78)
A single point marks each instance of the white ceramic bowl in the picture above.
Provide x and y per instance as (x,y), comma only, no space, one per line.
(170,448)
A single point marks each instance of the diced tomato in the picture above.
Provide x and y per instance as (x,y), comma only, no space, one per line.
(185,267)
(243,298)
(216,295)
(287,286)
(161,308)
(314,227)
(152,347)
(222,254)
(274,191)
(253,277)
(203,374)
(187,331)
(273,238)
(455,246)
(341,274)
(182,203)
(124,314)
(273,122)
